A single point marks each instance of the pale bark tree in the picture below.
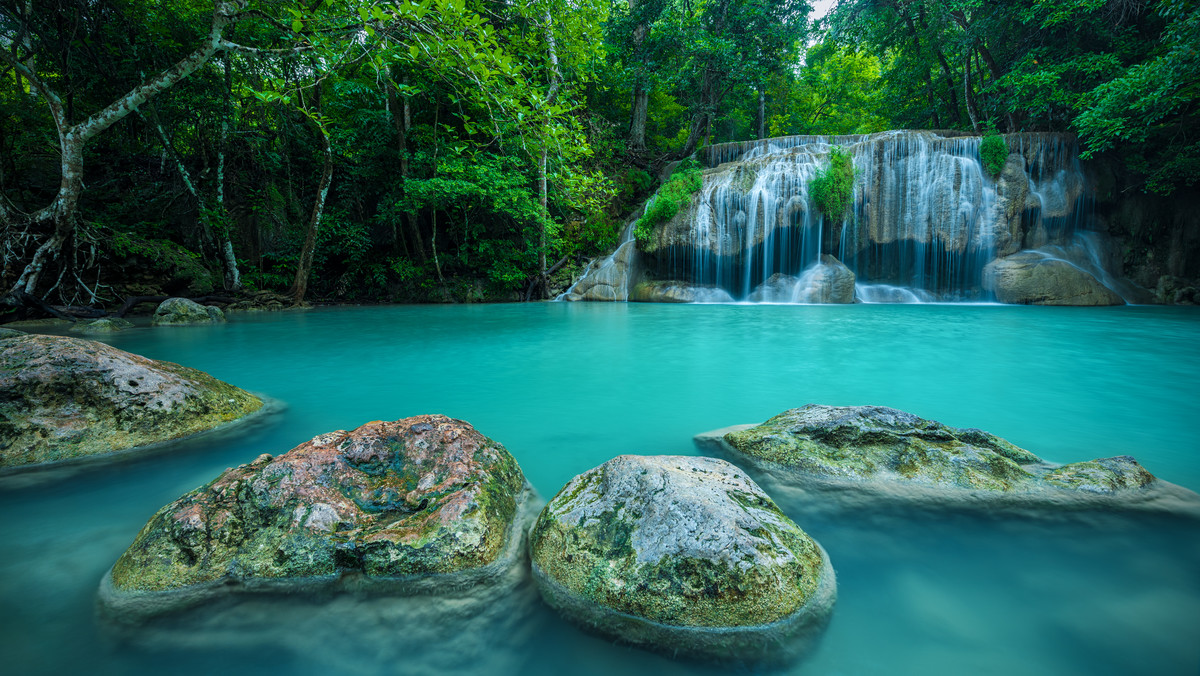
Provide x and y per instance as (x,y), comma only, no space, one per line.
(61,213)
(304,266)
(543,192)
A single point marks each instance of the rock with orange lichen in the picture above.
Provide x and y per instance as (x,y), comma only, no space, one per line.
(67,398)
(411,504)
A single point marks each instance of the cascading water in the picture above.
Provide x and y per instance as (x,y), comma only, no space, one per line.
(926,219)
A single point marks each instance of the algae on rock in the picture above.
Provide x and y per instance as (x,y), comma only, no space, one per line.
(181,311)
(412,502)
(683,554)
(67,398)
(864,454)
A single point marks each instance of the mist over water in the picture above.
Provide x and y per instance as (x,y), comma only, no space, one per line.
(565,387)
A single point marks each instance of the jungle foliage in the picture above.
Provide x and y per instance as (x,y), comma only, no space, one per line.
(418,150)
(833,187)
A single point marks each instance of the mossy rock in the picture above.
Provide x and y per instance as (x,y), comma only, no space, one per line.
(685,555)
(10,333)
(1105,476)
(414,505)
(869,442)
(181,311)
(69,398)
(104,325)
(868,455)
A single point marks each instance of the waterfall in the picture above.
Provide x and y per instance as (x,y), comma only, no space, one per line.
(925,221)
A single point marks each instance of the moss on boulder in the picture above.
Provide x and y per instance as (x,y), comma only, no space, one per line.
(681,554)
(1103,475)
(865,442)
(883,453)
(10,333)
(419,501)
(177,311)
(104,325)
(63,398)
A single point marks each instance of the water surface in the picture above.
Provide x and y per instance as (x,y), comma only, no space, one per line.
(567,386)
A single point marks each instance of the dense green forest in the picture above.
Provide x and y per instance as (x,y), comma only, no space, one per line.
(469,150)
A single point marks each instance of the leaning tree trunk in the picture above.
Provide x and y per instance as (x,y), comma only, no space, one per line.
(304,267)
(62,212)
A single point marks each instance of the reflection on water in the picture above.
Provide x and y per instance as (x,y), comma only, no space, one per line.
(566,387)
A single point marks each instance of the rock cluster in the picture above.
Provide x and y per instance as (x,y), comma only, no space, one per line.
(827,281)
(66,398)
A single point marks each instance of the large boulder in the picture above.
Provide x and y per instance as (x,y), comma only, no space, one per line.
(1012,201)
(408,506)
(10,333)
(176,311)
(607,278)
(826,281)
(677,292)
(64,398)
(1035,278)
(870,454)
(682,554)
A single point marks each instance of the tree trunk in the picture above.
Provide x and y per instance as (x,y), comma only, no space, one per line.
(202,212)
(996,75)
(304,268)
(73,138)
(637,122)
(543,187)
(969,94)
(641,94)
(762,114)
(233,277)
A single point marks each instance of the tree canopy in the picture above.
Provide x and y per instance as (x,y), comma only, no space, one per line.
(467,149)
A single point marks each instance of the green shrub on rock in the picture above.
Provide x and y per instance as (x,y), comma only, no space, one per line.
(674,194)
(993,152)
(833,188)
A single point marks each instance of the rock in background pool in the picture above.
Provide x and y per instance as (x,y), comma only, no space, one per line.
(686,555)
(181,311)
(104,325)
(409,506)
(65,398)
(867,454)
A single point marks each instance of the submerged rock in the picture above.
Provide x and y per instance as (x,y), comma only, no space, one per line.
(677,292)
(682,554)
(184,311)
(411,505)
(104,325)
(65,398)
(1034,278)
(883,453)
